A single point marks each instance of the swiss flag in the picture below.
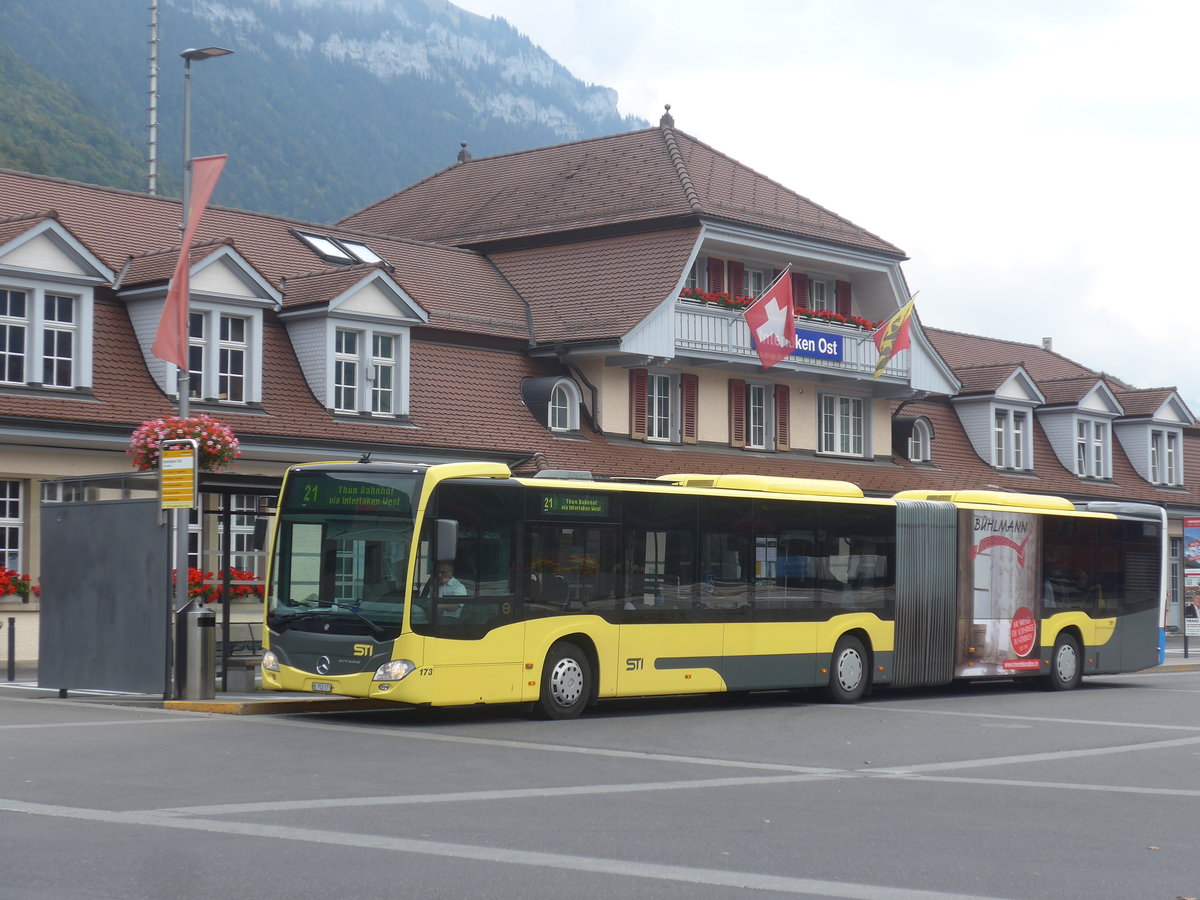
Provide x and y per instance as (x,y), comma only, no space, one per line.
(772,322)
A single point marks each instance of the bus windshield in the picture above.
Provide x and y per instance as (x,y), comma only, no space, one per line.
(341,552)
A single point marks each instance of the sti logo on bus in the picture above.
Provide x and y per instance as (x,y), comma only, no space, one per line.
(362,649)
(634,663)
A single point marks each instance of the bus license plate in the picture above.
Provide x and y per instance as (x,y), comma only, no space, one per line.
(322,686)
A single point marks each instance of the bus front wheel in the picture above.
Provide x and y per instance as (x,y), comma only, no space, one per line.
(849,671)
(1066,665)
(566,682)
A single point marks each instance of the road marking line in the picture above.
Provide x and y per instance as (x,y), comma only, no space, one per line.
(497,855)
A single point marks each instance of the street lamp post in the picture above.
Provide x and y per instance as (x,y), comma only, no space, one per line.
(193,679)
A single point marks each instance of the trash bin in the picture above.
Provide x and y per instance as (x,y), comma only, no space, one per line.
(200,665)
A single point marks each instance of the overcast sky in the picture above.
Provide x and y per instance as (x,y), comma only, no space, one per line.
(1035,160)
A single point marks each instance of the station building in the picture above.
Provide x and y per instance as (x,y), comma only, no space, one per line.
(571,307)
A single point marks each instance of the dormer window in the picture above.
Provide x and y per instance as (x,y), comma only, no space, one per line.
(1166,463)
(1093,449)
(1012,448)
(39,338)
(563,409)
(919,442)
(218,356)
(365,371)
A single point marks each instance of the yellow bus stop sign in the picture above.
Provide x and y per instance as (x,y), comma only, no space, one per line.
(177,474)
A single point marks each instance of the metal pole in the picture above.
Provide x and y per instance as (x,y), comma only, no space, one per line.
(183,386)
(194,681)
(12,648)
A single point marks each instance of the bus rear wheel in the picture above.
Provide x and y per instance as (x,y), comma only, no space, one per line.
(849,671)
(1066,665)
(566,682)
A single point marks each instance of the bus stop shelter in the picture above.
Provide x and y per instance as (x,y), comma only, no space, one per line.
(108,620)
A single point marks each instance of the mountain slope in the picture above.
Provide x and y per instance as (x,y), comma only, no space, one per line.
(325,106)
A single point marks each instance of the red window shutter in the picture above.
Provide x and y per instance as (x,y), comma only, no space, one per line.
(841,293)
(737,412)
(783,417)
(799,290)
(737,278)
(689,396)
(716,275)
(637,404)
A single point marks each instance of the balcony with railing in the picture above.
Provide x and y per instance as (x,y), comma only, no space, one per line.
(706,330)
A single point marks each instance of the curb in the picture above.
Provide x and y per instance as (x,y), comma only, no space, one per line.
(256,707)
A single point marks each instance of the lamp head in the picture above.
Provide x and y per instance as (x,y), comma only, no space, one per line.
(204,53)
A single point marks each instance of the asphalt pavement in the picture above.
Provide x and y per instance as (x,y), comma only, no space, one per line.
(1182,654)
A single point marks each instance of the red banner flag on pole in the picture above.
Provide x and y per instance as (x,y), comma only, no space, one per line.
(171,341)
(772,322)
(892,336)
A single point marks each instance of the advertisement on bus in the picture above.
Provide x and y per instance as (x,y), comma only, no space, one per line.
(999,594)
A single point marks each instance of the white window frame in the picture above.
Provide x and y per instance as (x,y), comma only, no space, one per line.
(662,407)
(208,382)
(382,374)
(35,327)
(1012,438)
(842,425)
(368,366)
(920,443)
(822,294)
(756,282)
(12,523)
(693,277)
(1093,448)
(1166,456)
(760,415)
(562,406)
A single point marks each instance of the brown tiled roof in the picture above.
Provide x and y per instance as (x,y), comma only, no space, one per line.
(318,288)
(148,268)
(1067,391)
(15,227)
(1143,402)
(983,379)
(452,285)
(598,289)
(648,176)
(963,350)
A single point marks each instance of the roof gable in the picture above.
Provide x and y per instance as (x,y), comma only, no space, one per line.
(1159,405)
(358,291)
(42,245)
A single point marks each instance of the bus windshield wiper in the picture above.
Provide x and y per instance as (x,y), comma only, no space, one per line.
(353,610)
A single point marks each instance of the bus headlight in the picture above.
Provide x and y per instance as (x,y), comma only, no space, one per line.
(396,670)
(270,662)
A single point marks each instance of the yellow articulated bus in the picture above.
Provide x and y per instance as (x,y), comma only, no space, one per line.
(459,584)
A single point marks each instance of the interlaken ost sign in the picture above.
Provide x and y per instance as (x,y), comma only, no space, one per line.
(817,344)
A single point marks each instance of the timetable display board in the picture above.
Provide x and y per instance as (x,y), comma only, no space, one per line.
(177,469)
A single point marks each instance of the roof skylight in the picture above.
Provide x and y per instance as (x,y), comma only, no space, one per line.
(338,250)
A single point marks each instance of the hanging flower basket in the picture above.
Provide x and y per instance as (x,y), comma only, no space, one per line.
(216,445)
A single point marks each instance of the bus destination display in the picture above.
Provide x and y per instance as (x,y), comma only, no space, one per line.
(575,504)
(323,493)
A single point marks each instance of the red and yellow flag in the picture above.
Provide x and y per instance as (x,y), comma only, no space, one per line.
(892,336)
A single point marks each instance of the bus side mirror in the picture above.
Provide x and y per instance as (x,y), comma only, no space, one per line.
(446,540)
(261,526)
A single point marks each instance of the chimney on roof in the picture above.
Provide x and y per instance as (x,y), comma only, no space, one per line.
(667,120)
(1047,343)
(463,153)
